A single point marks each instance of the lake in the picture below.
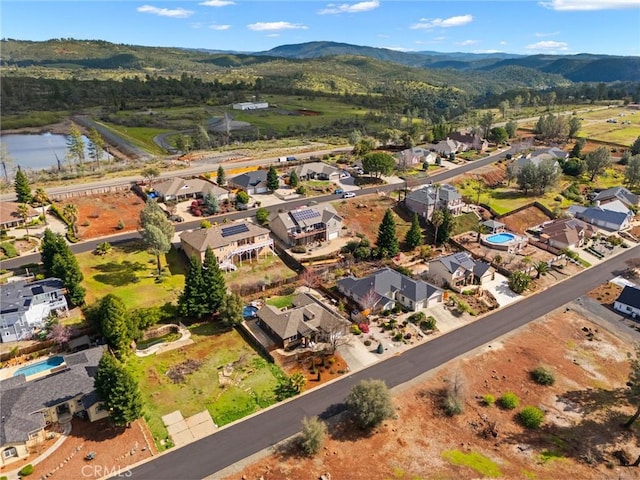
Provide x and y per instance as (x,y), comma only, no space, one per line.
(38,152)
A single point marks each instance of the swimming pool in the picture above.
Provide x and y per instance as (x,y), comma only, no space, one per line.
(249,311)
(501,238)
(40,367)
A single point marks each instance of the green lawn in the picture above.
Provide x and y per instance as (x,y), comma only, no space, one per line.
(265,270)
(128,271)
(251,384)
(467,222)
(139,136)
(475,461)
(281,302)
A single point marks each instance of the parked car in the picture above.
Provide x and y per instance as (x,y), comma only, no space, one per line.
(338,191)
(176,218)
(349,195)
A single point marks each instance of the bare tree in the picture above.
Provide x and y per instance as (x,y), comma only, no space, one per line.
(336,331)
(309,278)
(633,265)
(369,301)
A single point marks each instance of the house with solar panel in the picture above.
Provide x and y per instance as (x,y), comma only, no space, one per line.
(231,243)
(304,225)
(25,306)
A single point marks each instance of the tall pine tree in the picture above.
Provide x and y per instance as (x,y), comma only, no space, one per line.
(119,390)
(22,187)
(114,323)
(221,177)
(192,301)
(272,179)
(214,288)
(414,235)
(444,232)
(59,261)
(387,241)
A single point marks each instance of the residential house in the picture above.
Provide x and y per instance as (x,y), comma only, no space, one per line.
(460,269)
(29,406)
(566,233)
(9,215)
(448,146)
(305,323)
(179,189)
(306,225)
(386,288)
(425,200)
(538,157)
(230,242)
(251,182)
(317,171)
(25,306)
(612,216)
(617,193)
(416,156)
(470,140)
(628,302)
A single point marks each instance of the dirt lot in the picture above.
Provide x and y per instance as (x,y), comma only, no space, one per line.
(99,215)
(334,367)
(583,413)
(526,218)
(115,449)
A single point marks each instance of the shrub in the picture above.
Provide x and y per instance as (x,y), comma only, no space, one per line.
(452,405)
(488,400)
(120,225)
(531,417)
(416,317)
(369,403)
(364,328)
(355,329)
(428,324)
(314,432)
(9,249)
(299,249)
(542,376)
(509,401)
(26,470)
(367,343)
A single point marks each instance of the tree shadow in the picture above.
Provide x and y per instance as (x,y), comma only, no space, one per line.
(119,274)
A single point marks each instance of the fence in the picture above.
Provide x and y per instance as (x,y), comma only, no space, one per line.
(57,197)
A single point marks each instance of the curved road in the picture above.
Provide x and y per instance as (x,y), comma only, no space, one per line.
(233,443)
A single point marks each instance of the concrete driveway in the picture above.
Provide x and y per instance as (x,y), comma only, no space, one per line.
(357,355)
(499,287)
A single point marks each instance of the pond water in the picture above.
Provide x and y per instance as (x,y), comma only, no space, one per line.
(39,151)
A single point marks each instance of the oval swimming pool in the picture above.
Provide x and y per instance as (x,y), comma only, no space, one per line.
(501,238)
(39,367)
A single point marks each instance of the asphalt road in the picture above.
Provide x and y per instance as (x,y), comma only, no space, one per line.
(231,444)
(90,245)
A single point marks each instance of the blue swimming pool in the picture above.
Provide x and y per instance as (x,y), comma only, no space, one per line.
(39,367)
(249,311)
(501,238)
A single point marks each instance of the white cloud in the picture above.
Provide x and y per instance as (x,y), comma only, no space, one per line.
(466,43)
(268,26)
(165,12)
(503,43)
(216,3)
(487,51)
(334,9)
(550,34)
(273,35)
(457,21)
(584,5)
(219,27)
(548,46)
(399,49)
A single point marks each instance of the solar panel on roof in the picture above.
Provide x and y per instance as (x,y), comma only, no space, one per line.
(301,215)
(234,230)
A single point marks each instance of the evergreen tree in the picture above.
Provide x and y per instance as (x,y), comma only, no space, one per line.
(22,187)
(52,243)
(75,144)
(231,309)
(444,232)
(369,402)
(221,178)
(213,286)
(96,146)
(294,179)
(156,231)
(114,323)
(119,391)
(635,146)
(59,261)
(414,235)
(272,179)
(387,241)
(192,302)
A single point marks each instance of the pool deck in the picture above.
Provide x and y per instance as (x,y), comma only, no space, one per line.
(8,372)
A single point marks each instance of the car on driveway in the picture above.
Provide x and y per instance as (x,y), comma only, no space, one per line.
(348,195)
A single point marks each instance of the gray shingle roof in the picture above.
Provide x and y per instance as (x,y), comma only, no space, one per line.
(212,237)
(465,261)
(250,179)
(23,401)
(601,214)
(16,296)
(193,186)
(619,193)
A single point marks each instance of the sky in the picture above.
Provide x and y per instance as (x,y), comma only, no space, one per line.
(477,26)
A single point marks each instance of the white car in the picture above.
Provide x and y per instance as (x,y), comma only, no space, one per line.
(349,195)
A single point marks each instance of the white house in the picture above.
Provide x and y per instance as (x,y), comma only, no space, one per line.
(628,302)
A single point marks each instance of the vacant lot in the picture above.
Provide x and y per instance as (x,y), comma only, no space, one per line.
(100,215)
(263,271)
(130,272)
(526,218)
(583,412)
(194,378)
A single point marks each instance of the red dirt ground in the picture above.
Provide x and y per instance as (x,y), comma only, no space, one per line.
(335,366)
(584,410)
(99,215)
(115,448)
(529,217)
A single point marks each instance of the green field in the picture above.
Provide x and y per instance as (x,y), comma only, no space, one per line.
(141,137)
(128,271)
(250,385)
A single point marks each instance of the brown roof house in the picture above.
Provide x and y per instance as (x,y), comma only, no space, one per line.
(305,323)
(472,142)
(566,233)
(230,242)
(9,215)
(306,225)
(181,189)
(33,401)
